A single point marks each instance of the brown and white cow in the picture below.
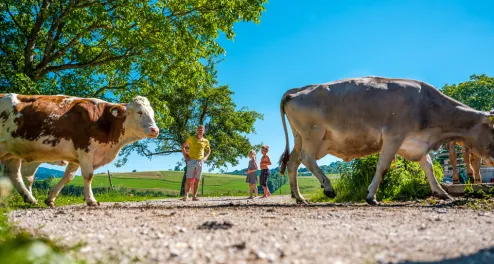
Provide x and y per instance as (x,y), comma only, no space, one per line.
(355,117)
(87,133)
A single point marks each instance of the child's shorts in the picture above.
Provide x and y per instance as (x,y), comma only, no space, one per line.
(264,177)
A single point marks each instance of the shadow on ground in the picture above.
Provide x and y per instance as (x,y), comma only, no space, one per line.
(485,255)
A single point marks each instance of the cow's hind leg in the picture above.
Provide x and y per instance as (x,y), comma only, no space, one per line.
(29,181)
(67,177)
(426,165)
(388,151)
(13,169)
(311,148)
(293,164)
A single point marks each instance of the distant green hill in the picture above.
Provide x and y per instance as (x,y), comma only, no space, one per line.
(43,173)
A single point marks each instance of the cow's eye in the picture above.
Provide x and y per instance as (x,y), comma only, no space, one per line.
(140,113)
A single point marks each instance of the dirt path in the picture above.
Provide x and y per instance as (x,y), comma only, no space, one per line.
(236,230)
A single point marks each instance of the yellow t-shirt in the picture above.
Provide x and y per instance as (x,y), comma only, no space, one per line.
(196,147)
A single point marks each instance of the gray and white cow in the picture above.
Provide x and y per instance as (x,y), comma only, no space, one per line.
(87,133)
(356,117)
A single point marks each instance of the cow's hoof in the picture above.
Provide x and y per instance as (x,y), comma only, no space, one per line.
(330,194)
(92,203)
(31,201)
(49,203)
(371,201)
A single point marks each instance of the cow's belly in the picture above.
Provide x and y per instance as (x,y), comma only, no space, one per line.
(348,146)
(30,151)
(414,148)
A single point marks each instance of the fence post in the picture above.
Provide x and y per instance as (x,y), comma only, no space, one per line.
(109,178)
(202,185)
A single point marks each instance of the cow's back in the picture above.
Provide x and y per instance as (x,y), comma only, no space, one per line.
(373,102)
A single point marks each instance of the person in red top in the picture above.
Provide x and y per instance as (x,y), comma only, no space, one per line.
(265,162)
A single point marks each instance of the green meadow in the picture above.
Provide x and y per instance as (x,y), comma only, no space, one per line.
(170,181)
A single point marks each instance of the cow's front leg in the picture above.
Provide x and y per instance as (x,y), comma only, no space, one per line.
(67,177)
(437,190)
(87,171)
(388,151)
(13,170)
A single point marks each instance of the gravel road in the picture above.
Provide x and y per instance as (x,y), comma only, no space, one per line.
(237,230)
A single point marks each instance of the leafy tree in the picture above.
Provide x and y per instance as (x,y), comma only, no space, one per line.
(117,49)
(477,93)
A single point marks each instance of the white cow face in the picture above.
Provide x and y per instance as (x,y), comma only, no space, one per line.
(140,118)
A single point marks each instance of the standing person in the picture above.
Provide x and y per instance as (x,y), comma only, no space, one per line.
(252,174)
(195,160)
(265,162)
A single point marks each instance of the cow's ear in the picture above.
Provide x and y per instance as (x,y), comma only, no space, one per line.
(118,111)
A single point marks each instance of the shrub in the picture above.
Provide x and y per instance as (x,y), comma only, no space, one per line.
(404,180)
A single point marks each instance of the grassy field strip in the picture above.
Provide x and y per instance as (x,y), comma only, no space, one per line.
(170,181)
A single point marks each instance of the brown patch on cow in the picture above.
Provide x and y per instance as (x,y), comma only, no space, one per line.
(327,135)
(4,115)
(69,118)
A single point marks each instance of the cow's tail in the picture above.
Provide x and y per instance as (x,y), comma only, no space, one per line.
(286,154)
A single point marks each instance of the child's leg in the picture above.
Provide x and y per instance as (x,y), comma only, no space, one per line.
(187,189)
(250,190)
(254,186)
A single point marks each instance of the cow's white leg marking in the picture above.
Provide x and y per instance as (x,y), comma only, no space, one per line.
(87,171)
(67,177)
(426,165)
(293,164)
(388,151)
(14,171)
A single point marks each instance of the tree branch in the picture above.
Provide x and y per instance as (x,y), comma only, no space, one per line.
(168,152)
(28,51)
(198,9)
(54,26)
(15,21)
(94,62)
(107,87)
(62,52)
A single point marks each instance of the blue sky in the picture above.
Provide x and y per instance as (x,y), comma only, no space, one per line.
(297,44)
